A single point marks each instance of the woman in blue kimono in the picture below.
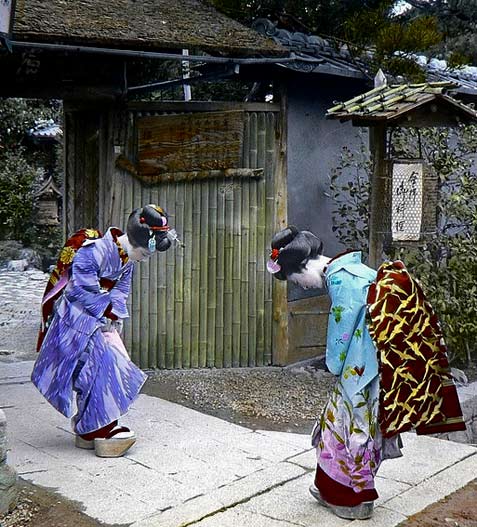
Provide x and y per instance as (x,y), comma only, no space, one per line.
(386,348)
(347,437)
(81,352)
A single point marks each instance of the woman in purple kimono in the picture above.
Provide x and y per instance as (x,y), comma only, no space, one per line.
(81,352)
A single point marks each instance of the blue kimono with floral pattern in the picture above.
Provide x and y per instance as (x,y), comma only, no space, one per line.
(77,354)
(347,436)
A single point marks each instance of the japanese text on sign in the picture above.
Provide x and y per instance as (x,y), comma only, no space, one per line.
(406,217)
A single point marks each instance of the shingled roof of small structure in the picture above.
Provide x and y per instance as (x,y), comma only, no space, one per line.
(387,103)
(138,24)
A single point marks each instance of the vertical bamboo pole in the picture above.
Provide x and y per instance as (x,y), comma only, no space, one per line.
(144,295)
(212,274)
(245,234)
(228,271)
(179,280)
(153,299)
(127,209)
(252,257)
(136,292)
(261,251)
(170,283)
(162,286)
(236,272)
(220,278)
(187,251)
(269,206)
(377,196)
(204,291)
(280,301)
(195,293)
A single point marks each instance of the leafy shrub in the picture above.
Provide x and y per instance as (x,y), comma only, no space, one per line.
(446,264)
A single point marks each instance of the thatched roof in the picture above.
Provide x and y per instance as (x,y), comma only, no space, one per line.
(138,24)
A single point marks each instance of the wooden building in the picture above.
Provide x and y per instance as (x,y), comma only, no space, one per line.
(218,169)
(230,174)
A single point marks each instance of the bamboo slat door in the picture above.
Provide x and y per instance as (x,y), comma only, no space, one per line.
(210,304)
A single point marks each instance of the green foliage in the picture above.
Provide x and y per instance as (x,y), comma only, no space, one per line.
(20,164)
(349,190)
(393,39)
(457,21)
(316,16)
(447,263)
(16,188)
(365,25)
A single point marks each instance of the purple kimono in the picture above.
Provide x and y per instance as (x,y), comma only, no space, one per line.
(80,352)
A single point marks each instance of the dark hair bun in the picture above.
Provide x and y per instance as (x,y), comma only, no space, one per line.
(139,224)
(284,237)
(296,249)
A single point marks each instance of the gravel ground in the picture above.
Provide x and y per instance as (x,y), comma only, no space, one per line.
(287,399)
(37,507)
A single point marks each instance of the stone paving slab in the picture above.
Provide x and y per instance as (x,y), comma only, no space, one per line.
(191,469)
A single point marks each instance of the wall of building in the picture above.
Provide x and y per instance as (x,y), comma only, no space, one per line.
(314,145)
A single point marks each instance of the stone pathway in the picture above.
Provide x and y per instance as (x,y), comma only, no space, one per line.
(20,298)
(188,468)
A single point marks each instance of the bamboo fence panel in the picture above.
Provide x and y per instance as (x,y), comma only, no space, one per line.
(245,234)
(127,209)
(195,292)
(252,257)
(136,292)
(220,278)
(270,160)
(236,273)
(261,243)
(154,291)
(212,273)
(178,279)
(209,304)
(228,270)
(187,234)
(203,289)
(170,283)
(162,292)
(145,288)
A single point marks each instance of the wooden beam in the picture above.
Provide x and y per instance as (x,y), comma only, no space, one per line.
(280,296)
(377,194)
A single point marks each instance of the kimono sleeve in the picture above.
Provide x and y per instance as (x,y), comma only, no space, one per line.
(120,292)
(84,282)
(347,306)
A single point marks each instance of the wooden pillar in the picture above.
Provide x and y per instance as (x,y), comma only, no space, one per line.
(280,296)
(377,194)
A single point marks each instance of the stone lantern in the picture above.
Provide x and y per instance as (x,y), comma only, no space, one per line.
(48,203)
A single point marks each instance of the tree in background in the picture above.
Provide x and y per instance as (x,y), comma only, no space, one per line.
(371,28)
(457,20)
(20,165)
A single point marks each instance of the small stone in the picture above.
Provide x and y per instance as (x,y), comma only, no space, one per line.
(17,265)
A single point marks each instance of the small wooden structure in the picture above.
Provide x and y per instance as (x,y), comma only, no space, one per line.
(403,193)
(47,201)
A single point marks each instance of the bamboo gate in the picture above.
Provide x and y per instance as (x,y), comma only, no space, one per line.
(211,304)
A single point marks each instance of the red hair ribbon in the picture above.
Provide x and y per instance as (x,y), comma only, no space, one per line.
(274,255)
(164,228)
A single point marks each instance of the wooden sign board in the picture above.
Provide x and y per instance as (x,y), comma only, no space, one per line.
(189,143)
